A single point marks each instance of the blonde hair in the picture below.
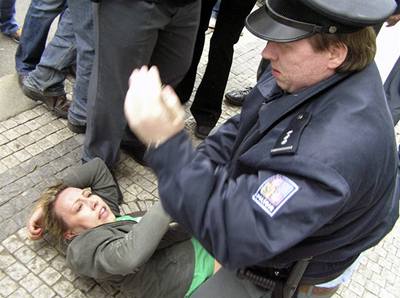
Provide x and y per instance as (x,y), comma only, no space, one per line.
(361,47)
(53,223)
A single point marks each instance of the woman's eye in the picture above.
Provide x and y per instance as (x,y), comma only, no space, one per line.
(79,208)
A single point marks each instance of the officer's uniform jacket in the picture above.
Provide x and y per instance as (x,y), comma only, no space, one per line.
(147,259)
(296,175)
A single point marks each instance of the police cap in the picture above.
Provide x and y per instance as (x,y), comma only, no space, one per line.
(290,20)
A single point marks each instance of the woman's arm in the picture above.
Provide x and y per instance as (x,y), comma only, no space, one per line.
(101,252)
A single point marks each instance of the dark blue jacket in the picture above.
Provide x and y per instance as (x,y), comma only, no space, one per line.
(295,175)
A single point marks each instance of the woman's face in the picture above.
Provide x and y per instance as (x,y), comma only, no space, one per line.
(81,210)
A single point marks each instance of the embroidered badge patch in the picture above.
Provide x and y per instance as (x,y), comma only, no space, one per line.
(274,193)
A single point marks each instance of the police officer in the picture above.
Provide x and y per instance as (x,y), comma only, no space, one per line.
(287,194)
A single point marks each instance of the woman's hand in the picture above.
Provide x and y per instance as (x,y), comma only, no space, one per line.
(35,224)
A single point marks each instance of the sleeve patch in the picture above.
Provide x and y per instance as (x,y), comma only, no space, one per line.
(274,192)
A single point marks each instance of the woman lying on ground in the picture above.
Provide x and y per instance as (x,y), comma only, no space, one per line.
(143,257)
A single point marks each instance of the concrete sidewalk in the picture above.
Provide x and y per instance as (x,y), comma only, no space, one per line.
(36,149)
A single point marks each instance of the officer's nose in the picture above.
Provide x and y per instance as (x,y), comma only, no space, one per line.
(269,52)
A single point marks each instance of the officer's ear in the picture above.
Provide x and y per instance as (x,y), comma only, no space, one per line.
(337,55)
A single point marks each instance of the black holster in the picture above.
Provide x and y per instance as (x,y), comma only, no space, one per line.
(280,286)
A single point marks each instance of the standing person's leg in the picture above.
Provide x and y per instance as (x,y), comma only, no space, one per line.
(126,33)
(185,87)
(8,24)
(82,17)
(174,49)
(172,55)
(206,107)
(38,19)
(49,75)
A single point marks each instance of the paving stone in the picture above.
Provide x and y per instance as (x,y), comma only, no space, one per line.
(43,292)
(48,129)
(47,253)
(7,286)
(84,284)
(135,189)
(97,292)
(3,168)
(25,254)
(20,293)
(12,243)
(44,144)
(34,149)
(26,140)
(22,155)
(5,151)
(37,265)
(10,227)
(36,135)
(27,115)
(11,135)
(50,276)
(2,128)
(33,124)
(10,161)
(35,245)
(77,294)
(3,140)
(22,129)
(16,271)
(356,288)
(63,287)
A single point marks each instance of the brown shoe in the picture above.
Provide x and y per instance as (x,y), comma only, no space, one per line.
(59,105)
(16,36)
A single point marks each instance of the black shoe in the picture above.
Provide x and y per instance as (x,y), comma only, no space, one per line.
(202,131)
(237,97)
(76,128)
(135,150)
(57,103)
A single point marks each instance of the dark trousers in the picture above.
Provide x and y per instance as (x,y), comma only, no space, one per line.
(225,284)
(130,34)
(206,107)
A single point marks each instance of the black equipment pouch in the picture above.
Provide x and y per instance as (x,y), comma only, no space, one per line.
(280,287)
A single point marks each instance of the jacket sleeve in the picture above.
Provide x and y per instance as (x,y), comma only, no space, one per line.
(218,146)
(221,211)
(101,252)
(96,175)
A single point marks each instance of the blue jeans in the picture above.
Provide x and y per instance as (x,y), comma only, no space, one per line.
(8,24)
(74,35)
(38,19)
(60,53)
(82,23)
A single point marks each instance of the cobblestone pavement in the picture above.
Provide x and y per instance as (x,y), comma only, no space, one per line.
(36,149)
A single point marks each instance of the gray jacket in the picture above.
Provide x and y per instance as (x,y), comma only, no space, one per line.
(145,259)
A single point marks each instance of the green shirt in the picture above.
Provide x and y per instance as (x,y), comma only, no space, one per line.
(204,262)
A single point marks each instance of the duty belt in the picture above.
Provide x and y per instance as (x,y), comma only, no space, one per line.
(279,286)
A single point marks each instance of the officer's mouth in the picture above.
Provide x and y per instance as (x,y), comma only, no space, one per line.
(275,72)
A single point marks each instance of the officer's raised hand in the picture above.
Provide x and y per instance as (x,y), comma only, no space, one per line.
(153,112)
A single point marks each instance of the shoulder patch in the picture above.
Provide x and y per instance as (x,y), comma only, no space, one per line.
(274,192)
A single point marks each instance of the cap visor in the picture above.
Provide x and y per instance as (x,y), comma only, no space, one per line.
(264,26)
